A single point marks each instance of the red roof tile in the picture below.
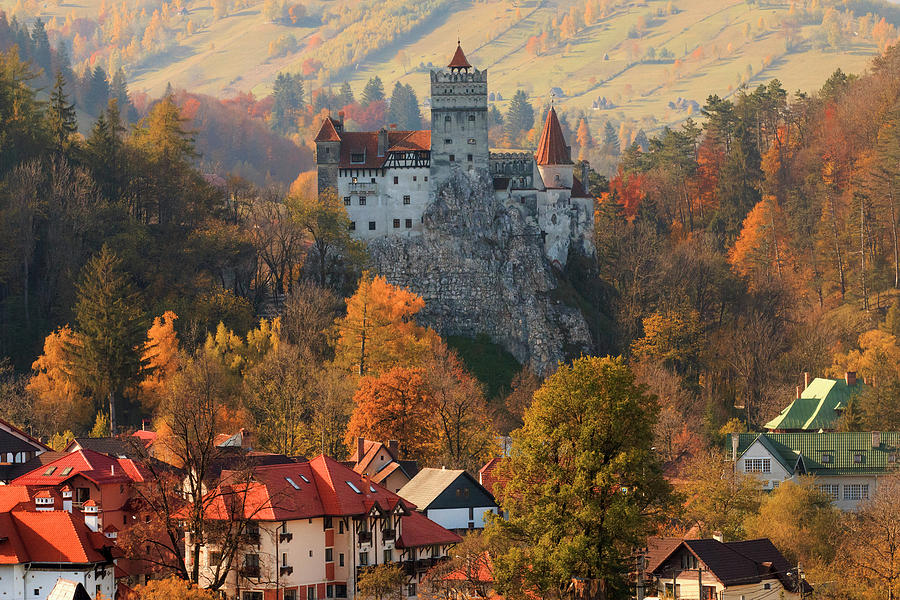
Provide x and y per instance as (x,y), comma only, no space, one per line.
(417,530)
(49,537)
(552,148)
(459,60)
(99,468)
(366,144)
(328,132)
(487,476)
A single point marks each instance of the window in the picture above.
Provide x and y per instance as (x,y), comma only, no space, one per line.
(757,465)
(859,458)
(329,554)
(372,180)
(346,200)
(357,158)
(767,586)
(469,157)
(37,592)
(471,117)
(831,489)
(856,491)
(363,558)
(310,553)
(452,158)
(371,228)
(415,178)
(388,555)
(406,199)
(251,561)
(293,485)
(352,226)
(362,200)
(311,593)
(290,594)
(676,592)
(426,178)
(303,477)
(408,223)
(709,592)
(447,119)
(253,596)
(688,561)
(827,459)
(411,589)
(341,559)
(284,559)
(49,471)
(448,141)
(340,590)
(396,180)
(396,223)
(329,591)
(341,526)
(68,470)
(472,141)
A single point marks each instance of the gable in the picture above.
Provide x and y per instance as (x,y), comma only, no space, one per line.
(463,492)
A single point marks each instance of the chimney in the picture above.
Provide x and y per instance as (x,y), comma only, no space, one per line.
(394,448)
(112,469)
(360,449)
(91,515)
(340,127)
(43,501)
(382,141)
(246,439)
(798,392)
(393,126)
(586,176)
(805,379)
(850,378)
(876,439)
(734,447)
(67,498)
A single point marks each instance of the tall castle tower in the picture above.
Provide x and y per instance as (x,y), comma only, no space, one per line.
(459,118)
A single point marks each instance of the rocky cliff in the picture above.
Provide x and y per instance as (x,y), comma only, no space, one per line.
(480,267)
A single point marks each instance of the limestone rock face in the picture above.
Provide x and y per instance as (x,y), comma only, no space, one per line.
(481,268)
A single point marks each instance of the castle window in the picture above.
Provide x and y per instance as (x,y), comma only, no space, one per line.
(371,225)
(415,178)
(472,141)
(346,200)
(396,180)
(357,157)
(352,225)
(396,223)
(426,178)
(469,157)
(362,200)
(405,199)
(471,117)
(373,180)
(452,158)
(448,141)
(408,223)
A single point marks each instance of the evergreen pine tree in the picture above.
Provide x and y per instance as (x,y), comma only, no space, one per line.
(641,140)
(519,116)
(61,117)
(62,63)
(373,92)
(495,117)
(412,116)
(41,44)
(611,139)
(105,153)
(111,332)
(118,91)
(98,92)
(288,95)
(346,94)
(397,108)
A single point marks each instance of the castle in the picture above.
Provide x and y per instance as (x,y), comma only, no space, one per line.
(387,178)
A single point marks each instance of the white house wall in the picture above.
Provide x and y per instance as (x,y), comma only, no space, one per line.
(458,518)
(19,583)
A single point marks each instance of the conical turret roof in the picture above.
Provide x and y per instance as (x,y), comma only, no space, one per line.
(552,148)
(459,59)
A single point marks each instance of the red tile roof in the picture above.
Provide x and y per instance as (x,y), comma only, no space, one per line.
(459,60)
(50,537)
(98,468)
(148,437)
(487,476)
(552,148)
(366,143)
(417,530)
(328,132)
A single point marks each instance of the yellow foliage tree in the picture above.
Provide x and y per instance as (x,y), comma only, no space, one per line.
(162,359)
(878,356)
(379,331)
(56,393)
(758,252)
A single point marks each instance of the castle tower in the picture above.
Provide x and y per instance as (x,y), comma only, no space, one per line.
(328,153)
(554,161)
(459,118)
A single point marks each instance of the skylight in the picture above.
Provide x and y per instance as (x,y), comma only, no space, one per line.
(49,471)
(66,471)
(372,489)
(354,488)
(303,477)
(293,485)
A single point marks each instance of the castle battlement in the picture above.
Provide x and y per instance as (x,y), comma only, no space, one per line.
(387,178)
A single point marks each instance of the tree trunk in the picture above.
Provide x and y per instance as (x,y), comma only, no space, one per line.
(862,253)
(112,413)
(894,241)
(837,245)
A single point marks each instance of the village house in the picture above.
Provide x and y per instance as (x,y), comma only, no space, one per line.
(713,570)
(450,497)
(846,465)
(40,543)
(382,463)
(16,449)
(313,527)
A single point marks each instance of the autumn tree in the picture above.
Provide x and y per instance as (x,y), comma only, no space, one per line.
(382,582)
(584,486)
(172,588)
(323,220)
(161,355)
(58,395)
(107,357)
(307,319)
(379,330)
(870,550)
(720,498)
(395,406)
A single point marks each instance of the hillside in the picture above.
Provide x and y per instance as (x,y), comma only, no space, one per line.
(653,62)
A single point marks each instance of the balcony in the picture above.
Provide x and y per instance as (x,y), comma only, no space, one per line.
(249,572)
(423,564)
(285,537)
(365,537)
(251,538)
(364,188)
(388,535)
(285,570)
(409,567)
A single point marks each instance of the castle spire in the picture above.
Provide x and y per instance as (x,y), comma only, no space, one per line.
(552,148)
(459,59)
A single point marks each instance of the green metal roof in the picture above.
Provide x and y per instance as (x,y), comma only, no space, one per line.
(817,407)
(810,449)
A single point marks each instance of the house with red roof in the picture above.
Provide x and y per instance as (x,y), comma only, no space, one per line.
(40,543)
(313,527)
(16,449)
(387,178)
(381,462)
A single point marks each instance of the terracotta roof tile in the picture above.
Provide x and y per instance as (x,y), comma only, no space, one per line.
(50,537)
(328,132)
(552,148)
(459,60)
(363,146)
(417,530)
(99,468)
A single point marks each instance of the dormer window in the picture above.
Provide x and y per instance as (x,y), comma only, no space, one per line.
(827,459)
(859,458)
(66,471)
(357,158)
(49,471)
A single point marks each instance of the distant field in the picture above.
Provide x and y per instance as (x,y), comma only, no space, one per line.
(708,38)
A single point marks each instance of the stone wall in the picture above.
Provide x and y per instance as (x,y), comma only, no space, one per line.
(481,268)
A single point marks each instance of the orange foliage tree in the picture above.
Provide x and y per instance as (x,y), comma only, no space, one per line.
(161,355)
(395,406)
(56,393)
(379,330)
(758,252)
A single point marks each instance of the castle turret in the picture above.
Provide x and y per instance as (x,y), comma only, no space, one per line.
(328,152)
(459,119)
(553,156)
